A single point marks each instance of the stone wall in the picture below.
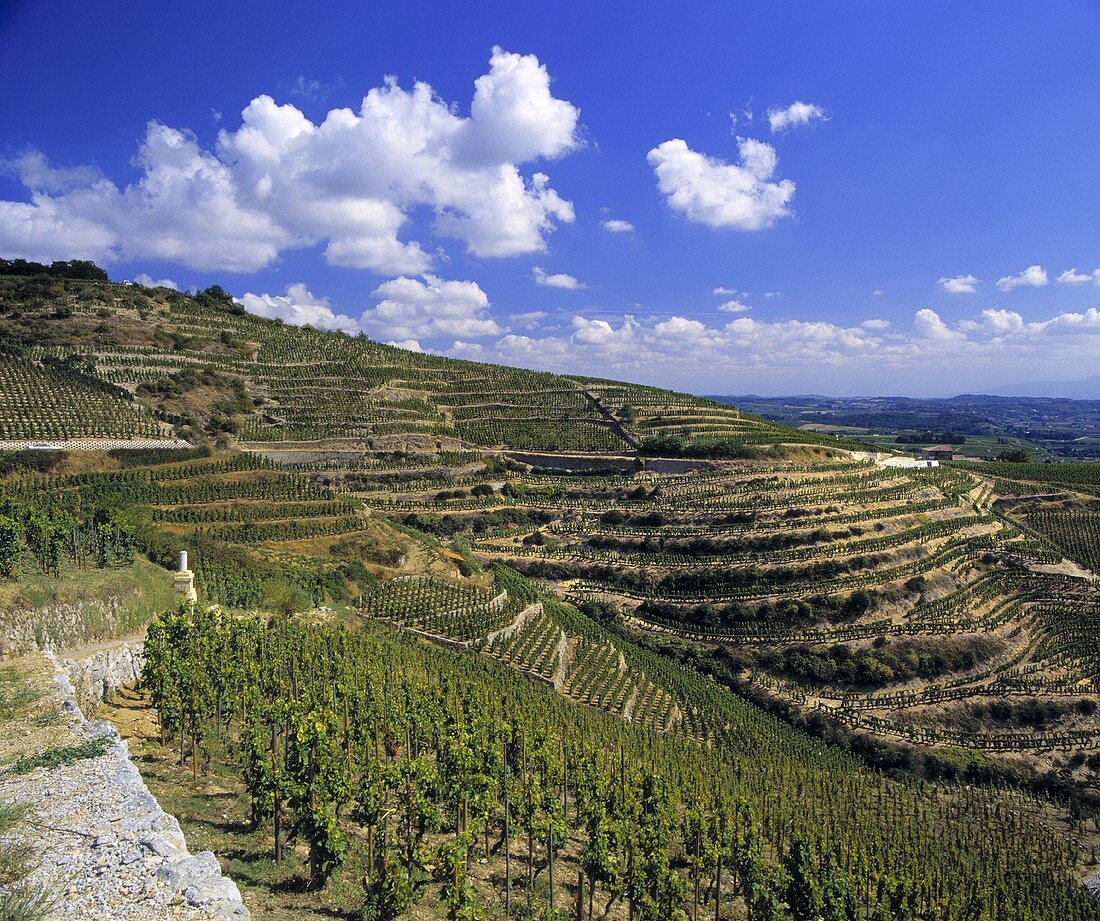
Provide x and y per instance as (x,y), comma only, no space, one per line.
(54,626)
(96,675)
(104,843)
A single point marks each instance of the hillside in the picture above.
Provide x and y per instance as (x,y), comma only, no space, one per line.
(418,558)
(207,366)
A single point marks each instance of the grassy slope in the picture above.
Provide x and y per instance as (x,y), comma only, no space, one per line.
(83,606)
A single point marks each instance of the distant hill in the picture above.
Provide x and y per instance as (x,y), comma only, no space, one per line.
(1087,388)
(1053,427)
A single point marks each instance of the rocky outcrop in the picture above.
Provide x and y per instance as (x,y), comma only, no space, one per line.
(102,842)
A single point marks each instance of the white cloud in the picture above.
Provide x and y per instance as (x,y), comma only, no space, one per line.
(959,284)
(710,191)
(617,225)
(876,324)
(514,117)
(350,182)
(1073,277)
(928,325)
(770,294)
(409,345)
(528,320)
(878,292)
(35,172)
(559,280)
(298,306)
(602,333)
(745,114)
(734,306)
(1034,276)
(147,281)
(411,308)
(797,113)
(471,350)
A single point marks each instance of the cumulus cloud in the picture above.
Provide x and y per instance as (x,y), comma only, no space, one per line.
(1073,277)
(927,324)
(734,306)
(427,308)
(514,116)
(409,345)
(710,191)
(147,281)
(959,284)
(350,182)
(409,311)
(781,118)
(298,306)
(471,350)
(618,225)
(558,280)
(1034,276)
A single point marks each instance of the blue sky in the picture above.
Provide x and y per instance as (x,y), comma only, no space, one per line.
(934,143)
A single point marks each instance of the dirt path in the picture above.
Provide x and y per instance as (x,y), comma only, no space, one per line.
(616,426)
(84,652)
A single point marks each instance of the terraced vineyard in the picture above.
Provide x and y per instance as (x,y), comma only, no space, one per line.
(1074,530)
(40,402)
(302,385)
(885,599)
(777,559)
(258,534)
(539,638)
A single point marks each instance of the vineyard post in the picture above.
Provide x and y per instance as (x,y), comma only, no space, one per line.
(565,782)
(507,842)
(630,873)
(408,827)
(698,865)
(529,817)
(347,737)
(718,887)
(194,738)
(275,786)
(550,857)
